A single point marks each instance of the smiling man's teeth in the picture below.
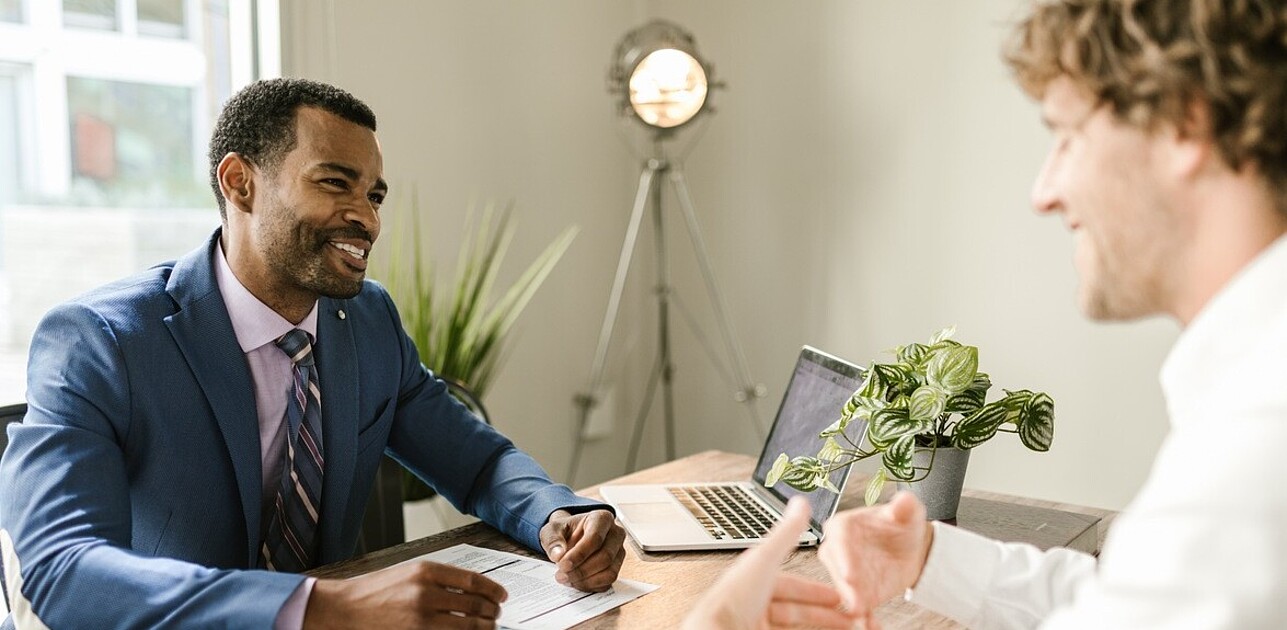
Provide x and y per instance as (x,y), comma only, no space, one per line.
(349,249)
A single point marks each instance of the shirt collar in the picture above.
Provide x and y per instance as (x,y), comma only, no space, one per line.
(254,323)
(1227,329)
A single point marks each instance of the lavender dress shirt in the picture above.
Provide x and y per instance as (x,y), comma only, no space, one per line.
(257,328)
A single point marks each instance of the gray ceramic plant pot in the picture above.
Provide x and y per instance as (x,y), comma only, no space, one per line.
(940,490)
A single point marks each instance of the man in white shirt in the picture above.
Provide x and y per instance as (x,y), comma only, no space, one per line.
(1170,167)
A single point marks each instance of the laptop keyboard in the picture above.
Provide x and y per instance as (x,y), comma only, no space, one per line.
(726,512)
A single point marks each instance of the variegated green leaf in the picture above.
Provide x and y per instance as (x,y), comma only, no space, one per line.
(836,428)
(805,473)
(831,451)
(875,386)
(892,423)
(800,479)
(892,375)
(775,473)
(911,377)
(897,459)
(851,405)
(926,403)
(914,354)
(868,406)
(943,335)
(1037,423)
(979,427)
(874,487)
(952,369)
(826,484)
(966,402)
(1015,401)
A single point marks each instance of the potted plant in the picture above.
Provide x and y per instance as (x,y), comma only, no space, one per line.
(922,414)
(458,328)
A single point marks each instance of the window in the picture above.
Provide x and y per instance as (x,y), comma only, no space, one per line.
(99,14)
(11,180)
(10,10)
(105,113)
(162,18)
(132,144)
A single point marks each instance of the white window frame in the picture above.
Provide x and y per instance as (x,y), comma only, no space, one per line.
(52,52)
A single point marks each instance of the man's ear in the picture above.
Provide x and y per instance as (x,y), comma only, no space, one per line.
(1194,142)
(237,181)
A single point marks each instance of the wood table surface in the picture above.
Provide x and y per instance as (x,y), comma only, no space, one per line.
(684,576)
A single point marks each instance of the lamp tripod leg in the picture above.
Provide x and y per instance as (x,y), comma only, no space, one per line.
(749,390)
(586,400)
(646,406)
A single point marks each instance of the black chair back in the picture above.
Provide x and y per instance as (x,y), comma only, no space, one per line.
(8,414)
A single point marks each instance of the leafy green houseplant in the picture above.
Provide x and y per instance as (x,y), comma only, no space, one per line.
(932,397)
(459,327)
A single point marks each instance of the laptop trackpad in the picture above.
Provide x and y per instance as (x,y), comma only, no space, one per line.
(651,513)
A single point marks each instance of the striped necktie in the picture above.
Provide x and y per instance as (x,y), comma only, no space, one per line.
(291,541)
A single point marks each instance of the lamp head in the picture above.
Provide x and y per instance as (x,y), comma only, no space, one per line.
(659,77)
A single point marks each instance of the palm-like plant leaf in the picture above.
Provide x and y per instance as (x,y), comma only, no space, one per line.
(458,328)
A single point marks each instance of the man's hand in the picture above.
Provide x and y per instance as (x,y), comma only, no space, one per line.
(876,553)
(753,593)
(414,595)
(588,548)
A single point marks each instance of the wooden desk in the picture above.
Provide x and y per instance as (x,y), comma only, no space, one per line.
(684,576)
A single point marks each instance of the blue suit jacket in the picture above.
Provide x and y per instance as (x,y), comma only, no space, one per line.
(132,489)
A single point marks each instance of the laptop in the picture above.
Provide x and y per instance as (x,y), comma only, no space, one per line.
(700,516)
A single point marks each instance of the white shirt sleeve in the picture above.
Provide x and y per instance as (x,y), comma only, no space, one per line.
(983,583)
(1203,546)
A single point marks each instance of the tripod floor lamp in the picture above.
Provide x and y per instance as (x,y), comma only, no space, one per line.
(663,83)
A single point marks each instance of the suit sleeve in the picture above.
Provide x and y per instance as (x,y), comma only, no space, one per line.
(65,502)
(467,461)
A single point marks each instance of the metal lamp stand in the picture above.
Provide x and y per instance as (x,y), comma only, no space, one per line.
(654,171)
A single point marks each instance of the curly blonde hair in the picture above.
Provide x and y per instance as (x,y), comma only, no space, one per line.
(1150,59)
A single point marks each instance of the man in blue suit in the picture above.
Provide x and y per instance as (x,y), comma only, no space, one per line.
(199,432)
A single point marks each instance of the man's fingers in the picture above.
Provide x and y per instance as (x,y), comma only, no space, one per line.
(791,614)
(905,508)
(554,535)
(602,559)
(871,622)
(598,573)
(785,536)
(452,622)
(590,534)
(467,604)
(466,582)
(798,589)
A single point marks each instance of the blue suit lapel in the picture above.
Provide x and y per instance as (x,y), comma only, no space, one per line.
(204,334)
(337,376)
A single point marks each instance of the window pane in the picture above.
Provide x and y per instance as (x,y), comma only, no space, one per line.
(90,13)
(163,18)
(10,175)
(132,144)
(127,188)
(11,10)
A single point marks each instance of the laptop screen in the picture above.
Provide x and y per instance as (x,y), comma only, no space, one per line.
(819,388)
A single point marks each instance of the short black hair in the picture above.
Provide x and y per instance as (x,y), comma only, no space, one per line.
(258,122)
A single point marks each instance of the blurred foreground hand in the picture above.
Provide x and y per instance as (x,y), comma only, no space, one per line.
(755,593)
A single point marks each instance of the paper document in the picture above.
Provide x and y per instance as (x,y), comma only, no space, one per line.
(536,600)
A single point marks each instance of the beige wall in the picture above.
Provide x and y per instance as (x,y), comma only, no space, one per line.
(863,184)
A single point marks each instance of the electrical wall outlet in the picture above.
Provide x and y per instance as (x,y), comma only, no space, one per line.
(602,419)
